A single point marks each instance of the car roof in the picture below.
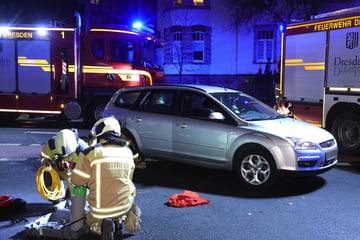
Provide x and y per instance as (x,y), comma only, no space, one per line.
(200,87)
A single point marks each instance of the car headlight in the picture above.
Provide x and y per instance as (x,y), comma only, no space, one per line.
(301,144)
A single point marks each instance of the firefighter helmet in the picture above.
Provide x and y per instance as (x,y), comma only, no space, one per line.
(104,125)
(65,142)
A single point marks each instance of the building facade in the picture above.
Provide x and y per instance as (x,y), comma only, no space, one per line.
(203,46)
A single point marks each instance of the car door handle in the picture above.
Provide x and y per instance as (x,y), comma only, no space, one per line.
(138,119)
(182,125)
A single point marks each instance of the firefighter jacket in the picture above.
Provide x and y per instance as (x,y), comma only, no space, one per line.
(107,170)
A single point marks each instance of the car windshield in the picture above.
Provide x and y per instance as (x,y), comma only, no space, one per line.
(246,107)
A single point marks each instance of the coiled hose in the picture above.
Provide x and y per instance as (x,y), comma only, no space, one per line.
(53,191)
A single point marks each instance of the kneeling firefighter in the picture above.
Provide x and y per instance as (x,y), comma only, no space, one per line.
(59,157)
(107,169)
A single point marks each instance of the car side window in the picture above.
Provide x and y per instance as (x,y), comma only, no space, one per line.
(198,106)
(159,101)
(127,99)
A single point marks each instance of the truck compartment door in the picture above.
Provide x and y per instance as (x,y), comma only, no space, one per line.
(34,69)
(7,74)
(305,67)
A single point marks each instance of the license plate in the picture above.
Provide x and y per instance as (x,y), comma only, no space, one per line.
(331,155)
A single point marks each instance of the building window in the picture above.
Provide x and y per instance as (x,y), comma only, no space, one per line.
(264,45)
(177,2)
(187,45)
(198,46)
(95,2)
(177,37)
(198,2)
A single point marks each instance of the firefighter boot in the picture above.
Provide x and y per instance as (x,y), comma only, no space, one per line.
(107,229)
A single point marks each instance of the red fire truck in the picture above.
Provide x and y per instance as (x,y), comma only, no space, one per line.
(320,74)
(60,71)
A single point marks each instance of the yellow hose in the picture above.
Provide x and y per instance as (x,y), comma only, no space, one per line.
(53,192)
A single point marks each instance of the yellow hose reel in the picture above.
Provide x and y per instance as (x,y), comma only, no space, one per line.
(48,184)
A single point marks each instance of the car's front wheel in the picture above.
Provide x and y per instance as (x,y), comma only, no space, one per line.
(255,167)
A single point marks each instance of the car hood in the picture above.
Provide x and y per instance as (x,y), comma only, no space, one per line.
(289,127)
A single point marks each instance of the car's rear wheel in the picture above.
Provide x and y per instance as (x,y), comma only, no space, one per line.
(96,109)
(256,168)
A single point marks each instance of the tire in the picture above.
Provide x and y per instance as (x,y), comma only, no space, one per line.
(346,129)
(126,135)
(96,109)
(255,167)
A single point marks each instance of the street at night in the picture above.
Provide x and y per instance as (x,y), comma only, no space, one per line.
(239,90)
(320,207)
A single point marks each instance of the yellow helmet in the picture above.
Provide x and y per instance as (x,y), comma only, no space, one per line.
(102,126)
(65,142)
(108,124)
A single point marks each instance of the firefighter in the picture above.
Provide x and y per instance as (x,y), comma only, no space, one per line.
(107,169)
(61,152)
(138,159)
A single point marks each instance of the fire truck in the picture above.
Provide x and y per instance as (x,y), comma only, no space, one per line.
(60,71)
(320,74)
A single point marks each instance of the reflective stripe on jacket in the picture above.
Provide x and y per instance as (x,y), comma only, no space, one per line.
(107,170)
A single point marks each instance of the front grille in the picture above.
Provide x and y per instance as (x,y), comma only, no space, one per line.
(328,143)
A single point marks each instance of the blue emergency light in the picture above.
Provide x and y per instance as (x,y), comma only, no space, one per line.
(140,27)
(137,25)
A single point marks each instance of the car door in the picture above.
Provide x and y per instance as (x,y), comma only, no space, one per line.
(152,121)
(195,136)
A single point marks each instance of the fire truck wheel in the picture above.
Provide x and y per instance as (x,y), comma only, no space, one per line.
(346,129)
(96,110)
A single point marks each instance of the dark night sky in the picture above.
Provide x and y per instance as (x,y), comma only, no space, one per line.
(44,11)
(36,11)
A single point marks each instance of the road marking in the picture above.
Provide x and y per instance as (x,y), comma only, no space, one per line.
(34,132)
(19,144)
(12,159)
(343,164)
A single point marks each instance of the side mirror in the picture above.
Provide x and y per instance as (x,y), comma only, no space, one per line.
(216,116)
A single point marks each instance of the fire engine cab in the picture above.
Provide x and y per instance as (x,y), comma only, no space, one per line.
(58,71)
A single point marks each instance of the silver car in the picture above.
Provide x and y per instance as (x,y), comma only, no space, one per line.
(221,128)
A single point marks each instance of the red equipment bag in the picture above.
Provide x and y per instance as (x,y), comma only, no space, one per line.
(6,201)
(187,199)
(9,204)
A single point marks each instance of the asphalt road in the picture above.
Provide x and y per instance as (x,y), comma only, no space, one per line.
(324,207)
